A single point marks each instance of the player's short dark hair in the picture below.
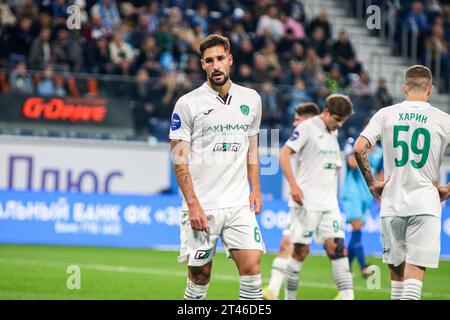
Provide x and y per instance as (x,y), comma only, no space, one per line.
(339,104)
(215,40)
(307,108)
(418,78)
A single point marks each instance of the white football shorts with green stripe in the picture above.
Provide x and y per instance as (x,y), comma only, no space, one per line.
(306,225)
(237,227)
(414,239)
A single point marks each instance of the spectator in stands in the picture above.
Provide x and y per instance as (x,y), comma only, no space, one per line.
(261,70)
(359,84)
(148,57)
(271,111)
(153,16)
(319,42)
(416,19)
(344,54)
(320,22)
(297,95)
(417,16)
(47,87)
(121,54)
(94,30)
(108,13)
(290,23)
(20,80)
(194,37)
(99,57)
(67,52)
(27,8)
(438,48)
(7,17)
(244,54)
(382,94)
(237,35)
(41,50)
(200,18)
(141,30)
(59,11)
(19,39)
(312,65)
(297,52)
(295,72)
(193,71)
(142,98)
(270,24)
(335,82)
(285,45)
(270,54)
(244,75)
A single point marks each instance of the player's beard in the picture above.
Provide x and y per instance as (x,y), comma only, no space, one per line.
(219,83)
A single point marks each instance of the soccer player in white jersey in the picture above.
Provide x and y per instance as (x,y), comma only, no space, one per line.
(214,140)
(303,112)
(314,199)
(414,136)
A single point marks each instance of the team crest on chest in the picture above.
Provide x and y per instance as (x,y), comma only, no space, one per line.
(245,109)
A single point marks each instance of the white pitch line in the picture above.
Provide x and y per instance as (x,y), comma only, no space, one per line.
(158,272)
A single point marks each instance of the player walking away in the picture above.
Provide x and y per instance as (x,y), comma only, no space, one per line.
(314,199)
(303,112)
(357,200)
(214,140)
(414,136)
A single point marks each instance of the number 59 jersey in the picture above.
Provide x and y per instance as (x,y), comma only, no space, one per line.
(414,136)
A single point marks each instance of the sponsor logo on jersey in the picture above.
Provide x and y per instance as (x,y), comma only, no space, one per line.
(330,165)
(176,122)
(202,254)
(245,109)
(308,234)
(208,112)
(227,128)
(223,146)
(294,136)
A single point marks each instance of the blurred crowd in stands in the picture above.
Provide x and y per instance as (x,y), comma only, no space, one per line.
(287,56)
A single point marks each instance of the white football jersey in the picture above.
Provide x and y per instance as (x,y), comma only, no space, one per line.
(319,161)
(414,136)
(218,130)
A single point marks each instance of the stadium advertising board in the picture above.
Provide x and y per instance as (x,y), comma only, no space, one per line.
(82,166)
(137,221)
(73,111)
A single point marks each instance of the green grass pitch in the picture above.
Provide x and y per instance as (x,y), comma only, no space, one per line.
(40,272)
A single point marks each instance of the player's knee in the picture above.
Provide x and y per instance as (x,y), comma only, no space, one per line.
(200,275)
(250,269)
(300,252)
(336,249)
(200,279)
(286,245)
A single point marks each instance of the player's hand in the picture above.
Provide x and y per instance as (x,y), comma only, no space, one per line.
(444,190)
(255,202)
(376,189)
(198,219)
(297,194)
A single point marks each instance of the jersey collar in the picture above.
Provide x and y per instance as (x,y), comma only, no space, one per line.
(216,95)
(416,103)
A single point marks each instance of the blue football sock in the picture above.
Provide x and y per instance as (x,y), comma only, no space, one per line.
(356,248)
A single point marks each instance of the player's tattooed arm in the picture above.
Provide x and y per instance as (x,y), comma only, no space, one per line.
(253,175)
(180,152)
(361,151)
